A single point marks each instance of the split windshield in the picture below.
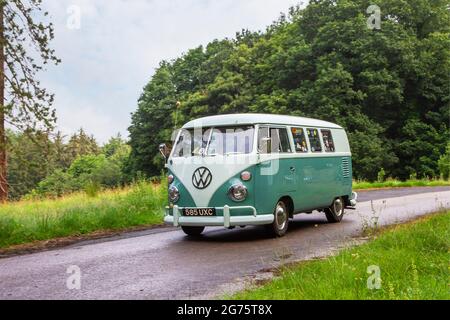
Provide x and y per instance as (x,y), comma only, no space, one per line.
(214,141)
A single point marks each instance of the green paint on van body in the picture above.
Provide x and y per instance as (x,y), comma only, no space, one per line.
(311,180)
(311,183)
(221,198)
(186,199)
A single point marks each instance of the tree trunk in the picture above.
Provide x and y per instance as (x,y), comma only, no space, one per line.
(3,161)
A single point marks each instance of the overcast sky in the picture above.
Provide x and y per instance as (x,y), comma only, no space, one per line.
(112,55)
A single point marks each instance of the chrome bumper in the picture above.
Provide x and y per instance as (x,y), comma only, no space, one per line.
(353,199)
(177,219)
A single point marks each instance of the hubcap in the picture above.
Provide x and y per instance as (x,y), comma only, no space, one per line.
(281,215)
(338,207)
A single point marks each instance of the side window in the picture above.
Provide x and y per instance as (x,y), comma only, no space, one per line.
(276,139)
(328,141)
(314,140)
(282,145)
(299,139)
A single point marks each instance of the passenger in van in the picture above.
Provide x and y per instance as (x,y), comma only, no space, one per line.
(299,140)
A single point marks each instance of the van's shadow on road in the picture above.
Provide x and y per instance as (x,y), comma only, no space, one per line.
(256,233)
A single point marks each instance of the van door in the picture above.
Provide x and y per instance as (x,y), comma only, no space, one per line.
(276,170)
(306,193)
(314,169)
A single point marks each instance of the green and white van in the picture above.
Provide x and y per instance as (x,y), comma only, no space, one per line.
(257,169)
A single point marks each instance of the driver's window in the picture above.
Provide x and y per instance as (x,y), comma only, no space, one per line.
(200,141)
(183,145)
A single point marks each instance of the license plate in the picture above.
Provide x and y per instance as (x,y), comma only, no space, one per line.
(199,212)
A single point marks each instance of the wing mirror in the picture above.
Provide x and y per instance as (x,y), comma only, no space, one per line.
(164,151)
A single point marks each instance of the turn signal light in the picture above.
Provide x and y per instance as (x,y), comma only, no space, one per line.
(246,176)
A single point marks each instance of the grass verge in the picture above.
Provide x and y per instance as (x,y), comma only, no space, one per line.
(362,185)
(413,260)
(79,214)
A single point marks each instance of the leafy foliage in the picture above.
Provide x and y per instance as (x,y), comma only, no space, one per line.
(81,213)
(388,87)
(31,158)
(42,165)
(25,35)
(444,163)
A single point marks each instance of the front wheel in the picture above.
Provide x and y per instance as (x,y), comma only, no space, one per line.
(193,231)
(280,223)
(336,211)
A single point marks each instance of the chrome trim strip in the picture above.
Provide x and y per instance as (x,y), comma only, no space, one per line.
(226,220)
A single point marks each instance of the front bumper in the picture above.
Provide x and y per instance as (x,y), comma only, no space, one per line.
(177,219)
(354,199)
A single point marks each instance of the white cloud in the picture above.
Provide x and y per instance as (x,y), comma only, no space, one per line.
(107,62)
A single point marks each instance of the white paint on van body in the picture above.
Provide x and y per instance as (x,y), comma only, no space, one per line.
(224,167)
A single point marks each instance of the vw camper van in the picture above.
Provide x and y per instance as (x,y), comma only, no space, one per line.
(257,169)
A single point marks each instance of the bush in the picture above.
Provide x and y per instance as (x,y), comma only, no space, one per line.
(108,175)
(86,165)
(90,173)
(381,175)
(77,214)
(92,188)
(56,185)
(444,163)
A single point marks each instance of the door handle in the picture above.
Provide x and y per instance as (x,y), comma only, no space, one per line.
(292,169)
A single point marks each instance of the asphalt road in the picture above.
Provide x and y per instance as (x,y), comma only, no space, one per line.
(164,264)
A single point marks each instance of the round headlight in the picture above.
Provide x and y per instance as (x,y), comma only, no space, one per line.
(170,179)
(174,194)
(238,192)
(246,176)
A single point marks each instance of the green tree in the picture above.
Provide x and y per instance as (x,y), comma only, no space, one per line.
(25,34)
(114,172)
(388,87)
(81,144)
(152,122)
(60,156)
(444,163)
(420,148)
(30,161)
(57,184)
(114,145)
(86,165)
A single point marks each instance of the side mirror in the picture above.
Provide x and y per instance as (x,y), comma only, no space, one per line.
(163,151)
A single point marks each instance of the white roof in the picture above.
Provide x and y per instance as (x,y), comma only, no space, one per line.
(253,118)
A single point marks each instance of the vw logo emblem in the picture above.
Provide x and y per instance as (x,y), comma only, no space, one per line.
(201,178)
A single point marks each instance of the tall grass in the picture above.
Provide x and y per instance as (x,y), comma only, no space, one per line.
(391,183)
(412,259)
(85,212)
(81,213)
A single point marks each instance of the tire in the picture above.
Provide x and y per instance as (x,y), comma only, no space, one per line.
(193,231)
(336,211)
(280,223)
